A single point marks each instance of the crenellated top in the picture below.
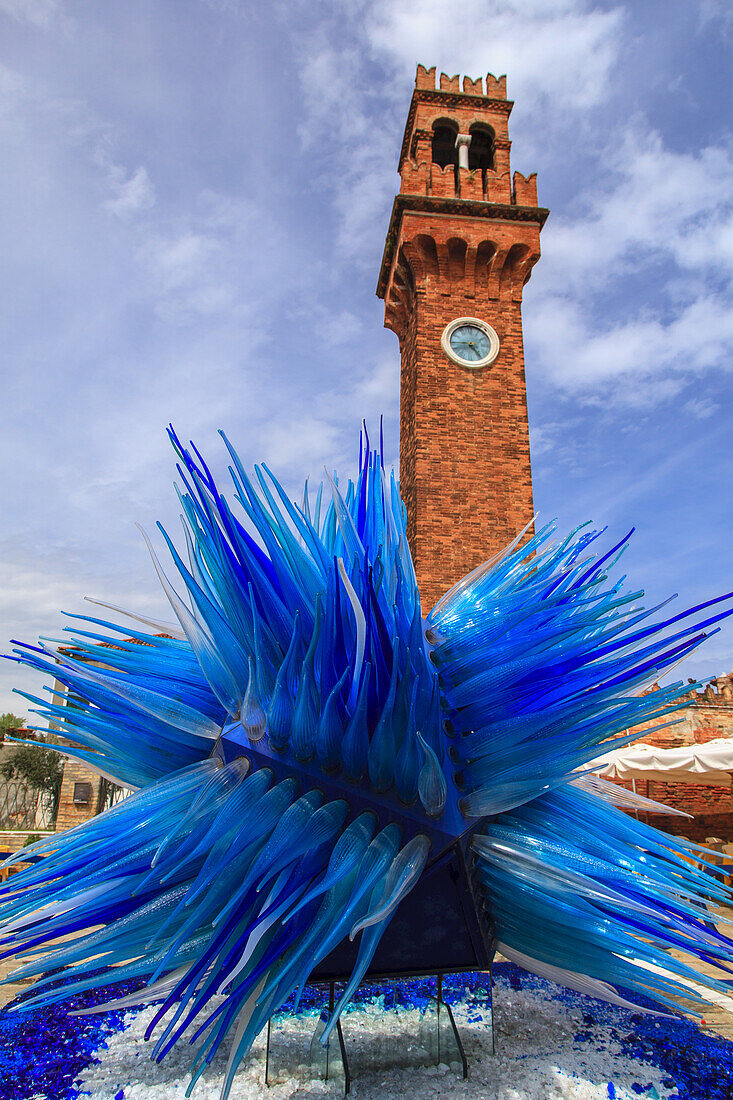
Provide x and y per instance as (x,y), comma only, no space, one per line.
(463,225)
(456,143)
(495,85)
(462,104)
(470,185)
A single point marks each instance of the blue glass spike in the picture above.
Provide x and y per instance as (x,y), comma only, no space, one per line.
(355,744)
(317,510)
(310,654)
(416,640)
(156,704)
(362,491)
(323,665)
(305,716)
(264,671)
(294,656)
(253,716)
(378,686)
(289,584)
(433,727)
(330,728)
(382,747)
(401,713)
(360,630)
(352,544)
(216,646)
(302,523)
(306,571)
(402,875)
(407,766)
(280,711)
(432,786)
(339,643)
(377,617)
(345,859)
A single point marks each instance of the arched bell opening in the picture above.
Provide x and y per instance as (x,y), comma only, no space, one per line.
(444,150)
(481,151)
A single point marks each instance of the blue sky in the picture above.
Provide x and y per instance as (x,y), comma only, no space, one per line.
(193,202)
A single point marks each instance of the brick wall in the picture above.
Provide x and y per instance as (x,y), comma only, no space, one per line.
(464,459)
(461,243)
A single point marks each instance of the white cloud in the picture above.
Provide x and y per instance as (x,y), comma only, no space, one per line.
(715,13)
(632,293)
(132,193)
(702,408)
(630,355)
(651,202)
(39,13)
(562,51)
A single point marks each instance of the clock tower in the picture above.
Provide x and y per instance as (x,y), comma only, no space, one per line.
(463,237)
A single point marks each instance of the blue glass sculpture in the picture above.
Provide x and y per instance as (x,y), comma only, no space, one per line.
(326,782)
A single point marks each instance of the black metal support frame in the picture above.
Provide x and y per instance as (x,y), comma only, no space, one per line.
(340,1037)
(441,1005)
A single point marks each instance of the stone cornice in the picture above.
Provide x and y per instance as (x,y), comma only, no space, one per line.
(450,100)
(455,207)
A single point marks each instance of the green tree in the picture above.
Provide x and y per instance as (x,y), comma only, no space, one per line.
(8,723)
(37,767)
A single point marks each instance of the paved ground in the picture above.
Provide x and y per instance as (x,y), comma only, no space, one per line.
(719,1018)
(9,992)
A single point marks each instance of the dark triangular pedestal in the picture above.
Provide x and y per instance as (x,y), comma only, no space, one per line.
(438,928)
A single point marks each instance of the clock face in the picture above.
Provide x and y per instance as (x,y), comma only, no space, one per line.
(470,342)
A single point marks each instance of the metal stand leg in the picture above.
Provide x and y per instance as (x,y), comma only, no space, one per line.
(324,1058)
(344,1059)
(445,1009)
(491,1005)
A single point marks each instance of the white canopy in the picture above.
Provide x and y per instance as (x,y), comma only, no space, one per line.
(710,764)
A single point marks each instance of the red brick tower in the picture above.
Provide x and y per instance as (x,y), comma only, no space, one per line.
(462,241)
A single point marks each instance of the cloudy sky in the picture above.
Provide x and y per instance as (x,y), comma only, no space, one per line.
(193,201)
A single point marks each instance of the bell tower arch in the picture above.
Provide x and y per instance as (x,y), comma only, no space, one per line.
(463,237)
